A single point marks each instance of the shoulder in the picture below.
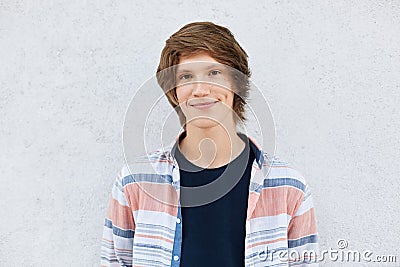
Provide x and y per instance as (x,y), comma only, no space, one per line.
(282,173)
(152,167)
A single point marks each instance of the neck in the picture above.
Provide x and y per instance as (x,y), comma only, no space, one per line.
(211,147)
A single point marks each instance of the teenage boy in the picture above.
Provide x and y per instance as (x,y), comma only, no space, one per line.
(213,198)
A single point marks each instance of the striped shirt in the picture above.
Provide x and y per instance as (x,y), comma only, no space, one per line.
(143,225)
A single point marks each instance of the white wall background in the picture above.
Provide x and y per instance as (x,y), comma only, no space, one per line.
(330,71)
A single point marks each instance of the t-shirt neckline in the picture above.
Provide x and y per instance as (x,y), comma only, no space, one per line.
(183,161)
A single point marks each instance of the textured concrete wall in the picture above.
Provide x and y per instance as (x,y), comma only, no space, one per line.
(330,71)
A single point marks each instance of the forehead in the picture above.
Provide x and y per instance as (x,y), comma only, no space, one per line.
(197,61)
(196,57)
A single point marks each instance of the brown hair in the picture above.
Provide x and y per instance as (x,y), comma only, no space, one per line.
(221,45)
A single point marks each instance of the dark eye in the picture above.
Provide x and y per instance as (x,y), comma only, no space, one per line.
(185,77)
(215,72)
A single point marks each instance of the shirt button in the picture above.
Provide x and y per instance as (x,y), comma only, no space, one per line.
(176,258)
(178,220)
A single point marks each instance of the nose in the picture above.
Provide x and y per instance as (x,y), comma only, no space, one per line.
(201,89)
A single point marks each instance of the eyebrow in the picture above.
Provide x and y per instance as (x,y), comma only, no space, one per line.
(208,67)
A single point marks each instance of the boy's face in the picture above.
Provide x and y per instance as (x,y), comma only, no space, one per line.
(204,91)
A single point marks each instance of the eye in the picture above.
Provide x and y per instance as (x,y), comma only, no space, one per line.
(214,72)
(185,77)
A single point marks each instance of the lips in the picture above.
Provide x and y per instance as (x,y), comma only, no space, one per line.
(204,105)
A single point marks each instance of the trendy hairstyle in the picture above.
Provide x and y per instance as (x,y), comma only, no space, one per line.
(221,45)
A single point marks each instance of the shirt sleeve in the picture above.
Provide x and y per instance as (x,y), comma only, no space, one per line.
(118,229)
(302,233)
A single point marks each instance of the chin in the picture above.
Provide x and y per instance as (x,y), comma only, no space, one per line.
(207,122)
(204,123)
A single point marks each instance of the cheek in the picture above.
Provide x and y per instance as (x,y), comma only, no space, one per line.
(229,96)
(182,94)
(231,100)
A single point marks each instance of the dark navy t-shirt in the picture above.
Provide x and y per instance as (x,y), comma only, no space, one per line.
(213,234)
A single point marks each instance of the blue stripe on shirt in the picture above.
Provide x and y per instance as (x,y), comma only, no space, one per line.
(147,177)
(302,241)
(284,182)
(118,231)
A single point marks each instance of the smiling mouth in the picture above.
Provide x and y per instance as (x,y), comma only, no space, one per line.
(204,105)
